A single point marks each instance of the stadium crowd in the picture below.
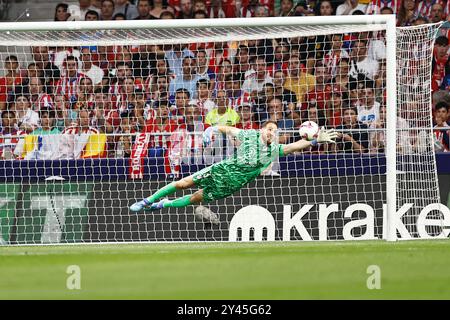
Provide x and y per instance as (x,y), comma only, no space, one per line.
(69,100)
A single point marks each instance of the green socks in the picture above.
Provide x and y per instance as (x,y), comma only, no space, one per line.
(167,190)
(179,202)
(164,191)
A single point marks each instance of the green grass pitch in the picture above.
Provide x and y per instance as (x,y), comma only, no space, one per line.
(295,270)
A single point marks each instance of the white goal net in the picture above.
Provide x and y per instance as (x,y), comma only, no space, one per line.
(97,116)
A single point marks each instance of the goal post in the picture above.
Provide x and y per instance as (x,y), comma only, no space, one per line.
(378,182)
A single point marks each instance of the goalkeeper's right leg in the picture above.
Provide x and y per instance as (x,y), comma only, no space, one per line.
(146,203)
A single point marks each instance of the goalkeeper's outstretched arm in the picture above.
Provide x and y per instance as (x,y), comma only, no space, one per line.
(324,136)
(228,130)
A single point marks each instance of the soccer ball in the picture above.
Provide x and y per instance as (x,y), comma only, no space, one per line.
(309,130)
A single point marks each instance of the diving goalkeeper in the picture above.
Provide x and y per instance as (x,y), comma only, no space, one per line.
(256,151)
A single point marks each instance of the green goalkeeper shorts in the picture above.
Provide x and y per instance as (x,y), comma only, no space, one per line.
(222,180)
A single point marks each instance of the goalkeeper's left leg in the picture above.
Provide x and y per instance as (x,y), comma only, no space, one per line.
(182,202)
(163,192)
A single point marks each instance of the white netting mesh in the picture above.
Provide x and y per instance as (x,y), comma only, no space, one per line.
(416,163)
(130,107)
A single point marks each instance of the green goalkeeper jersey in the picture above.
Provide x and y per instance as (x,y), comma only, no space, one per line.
(251,157)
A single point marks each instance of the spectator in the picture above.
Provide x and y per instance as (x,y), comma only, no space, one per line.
(145,60)
(85,92)
(143,9)
(322,89)
(128,130)
(126,8)
(203,70)
(317,115)
(334,108)
(223,114)
(167,15)
(446,82)
(161,123)
(352,141)
(32,71)
(187,80)
(88,68)
(224,9)
(204,96)
(356,90)
(7,140)
(199,5)
(261,11)
(333,57)
(121,72)
(407,13)
(102,109)
(438,96)
(441,115)
(91,15)
(43,143)
(225,72)
(200,15)
(161,90)
(297,80)
(244,110)
(361,63)
(376,49)
(124,100)
(182,98)
(288,97)
(286,8)
(431,9)
(28,120)
(281,56)
(377,138)
(183,145)
(257,76)
(160,6)
(325,8)
(175,57)
(420,21)
(262,48)
(97,5)
(68,84)
(119,16)
(349,7)
(142,109)
(10,81)
(84,6)
(383,7)
(233,84)
(437,13)
(242,61)
(368,108)
(50,71)
(276,113)
(388,10)
(185,9)
(82,141)
(249,10)
(341,80)
(107,10)
(38,98)
(440,58)
(62,119)
(61,12)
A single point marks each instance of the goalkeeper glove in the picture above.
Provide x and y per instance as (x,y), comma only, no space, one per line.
(208,136)
(325,136)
